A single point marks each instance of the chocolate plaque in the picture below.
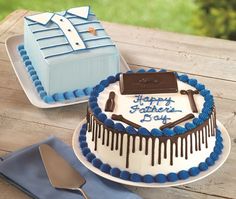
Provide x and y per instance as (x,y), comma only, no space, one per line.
(148,83)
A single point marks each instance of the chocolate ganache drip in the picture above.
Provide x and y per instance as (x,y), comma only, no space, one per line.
(169,144)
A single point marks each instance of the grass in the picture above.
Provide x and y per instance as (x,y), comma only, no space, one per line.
(170,15)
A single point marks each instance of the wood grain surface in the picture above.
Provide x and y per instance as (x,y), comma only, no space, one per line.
(211,61)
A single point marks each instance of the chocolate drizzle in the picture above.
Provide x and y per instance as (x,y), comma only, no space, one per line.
(193,140)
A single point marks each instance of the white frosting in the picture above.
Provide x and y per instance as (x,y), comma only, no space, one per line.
(123,105)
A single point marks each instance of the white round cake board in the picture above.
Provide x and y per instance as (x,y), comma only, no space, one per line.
(26,83)
(210,170)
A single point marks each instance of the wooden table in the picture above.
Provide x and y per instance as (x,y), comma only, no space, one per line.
(211,61)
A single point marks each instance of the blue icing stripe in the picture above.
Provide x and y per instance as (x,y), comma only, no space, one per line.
(68,95)
(159,178)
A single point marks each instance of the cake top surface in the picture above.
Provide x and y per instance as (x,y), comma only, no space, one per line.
(153,114)
(72,32)
(150,110)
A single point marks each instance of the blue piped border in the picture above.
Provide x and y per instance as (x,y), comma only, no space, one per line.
(158,178)
(203,116)
(57,97)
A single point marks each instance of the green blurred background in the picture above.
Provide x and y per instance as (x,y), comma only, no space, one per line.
(214,18)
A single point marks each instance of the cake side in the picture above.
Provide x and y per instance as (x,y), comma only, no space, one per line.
(38,62)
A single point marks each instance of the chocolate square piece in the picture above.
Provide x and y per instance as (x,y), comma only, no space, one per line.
(147,83)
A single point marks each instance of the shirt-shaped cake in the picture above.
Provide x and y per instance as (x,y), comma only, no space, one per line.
(69,51)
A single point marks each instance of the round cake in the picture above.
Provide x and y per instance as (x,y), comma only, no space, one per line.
(149,126)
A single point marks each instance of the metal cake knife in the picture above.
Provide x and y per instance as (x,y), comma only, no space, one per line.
(60,173)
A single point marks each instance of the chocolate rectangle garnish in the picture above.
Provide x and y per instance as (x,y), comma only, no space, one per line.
(148,83)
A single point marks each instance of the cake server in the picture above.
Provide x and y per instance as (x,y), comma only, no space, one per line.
(61,175)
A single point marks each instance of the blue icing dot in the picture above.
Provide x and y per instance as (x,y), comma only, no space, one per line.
(197,121)
(105,83)
(88,90)
(93,105)
(141,71)
(200,87)
(168,132)
(105,168)
(21,47)
(194,171)
(129,71)
(39,88)
(111,79)
(102,117)
(42,94)
(82,138)
(124,175)
(85,151)
(69,95)
(27,63)
(148,178)
(83,131)
(204,92)
(172,177)
(156,132)
(83,145)
(84,126)
(109,123)
(59,97)
(29,68)
(48,99)
(162,70)
(25,57)
(206,110)
(119,127)
(93,99)
(135,177)
(118,76)
(218,133)
(32,72)
(96,111)
(208,97)
(94,93)
(183,175)
(115,172)
(189,126)
(90,157)
(217,150)
(37,82)
(203,116)
(143,131)
(131,130)
(96,162)
(192,82)
(22,52)
(34,77)
(179,130)
(183,78)
(161,178)
(99,88)
(79,93)
(151,70)
(214,156)
(210,162)
(203,166)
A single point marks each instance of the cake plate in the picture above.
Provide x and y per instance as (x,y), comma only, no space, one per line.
(26,83)
(222,158)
